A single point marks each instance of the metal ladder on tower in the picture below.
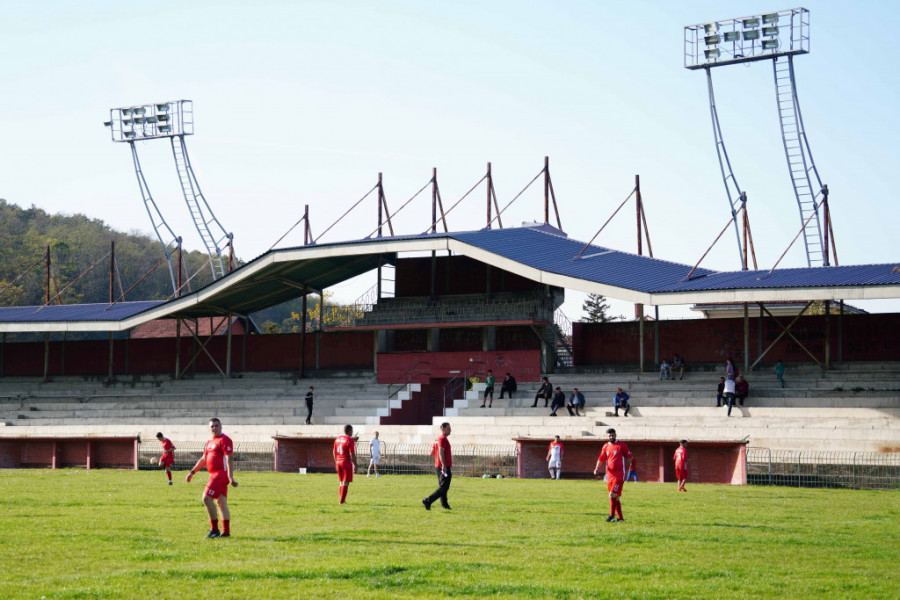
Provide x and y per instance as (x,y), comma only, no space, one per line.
(799,158)
(200,211)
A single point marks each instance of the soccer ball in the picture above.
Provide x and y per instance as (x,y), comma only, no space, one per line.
(499,476)
(485,476)
(154,460)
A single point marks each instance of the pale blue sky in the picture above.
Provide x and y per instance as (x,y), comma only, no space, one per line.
(305,102)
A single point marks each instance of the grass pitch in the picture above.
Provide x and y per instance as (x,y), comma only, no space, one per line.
(125,534)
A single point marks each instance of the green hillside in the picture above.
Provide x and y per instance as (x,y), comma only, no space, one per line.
(76,242)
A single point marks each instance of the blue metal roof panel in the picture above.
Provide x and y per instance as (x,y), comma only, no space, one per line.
(74,312)
(557,254)
(851,275)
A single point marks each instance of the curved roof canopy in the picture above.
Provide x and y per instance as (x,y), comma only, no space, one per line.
(540,253)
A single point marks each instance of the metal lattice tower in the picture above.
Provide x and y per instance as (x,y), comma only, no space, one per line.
(776,36)
(172,120)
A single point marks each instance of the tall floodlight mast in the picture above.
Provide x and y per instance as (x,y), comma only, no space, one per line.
(776,36)
(172,120)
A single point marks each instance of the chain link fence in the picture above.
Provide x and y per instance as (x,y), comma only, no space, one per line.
(396,459)
(851,470)
(469,460)
(247,456)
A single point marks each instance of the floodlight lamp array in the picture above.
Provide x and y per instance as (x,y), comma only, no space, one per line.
(744,39)
(149,121)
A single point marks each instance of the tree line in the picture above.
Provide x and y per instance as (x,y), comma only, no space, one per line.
(77,242)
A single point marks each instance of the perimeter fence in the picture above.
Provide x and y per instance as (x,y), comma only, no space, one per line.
(469,460)
(850,470)
(248,456)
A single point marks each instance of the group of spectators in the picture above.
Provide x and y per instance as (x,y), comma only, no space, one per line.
(555,398)
(733,388)
(668,370)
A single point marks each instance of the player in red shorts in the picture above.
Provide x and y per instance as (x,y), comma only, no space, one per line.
(219,462)
(618,462)
(168,456)
(681,467)
(345,460)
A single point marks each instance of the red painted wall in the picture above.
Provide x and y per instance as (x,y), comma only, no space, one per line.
(525,365)
(708,462)
(115,453)
(864,337)
(337,350)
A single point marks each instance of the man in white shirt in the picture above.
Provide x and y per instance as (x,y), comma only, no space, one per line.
(729,393)
(554,458)
(375,445)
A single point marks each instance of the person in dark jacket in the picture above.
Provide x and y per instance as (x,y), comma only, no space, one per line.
(508,386)
(559,400)
(545,392)
(741,389)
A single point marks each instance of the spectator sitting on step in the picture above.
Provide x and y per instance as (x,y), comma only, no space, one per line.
(545,392)
(509,386)
(621,401)
(663,370)
(559,400)
(741,389)
(576,401)
(720,392)
(678,367)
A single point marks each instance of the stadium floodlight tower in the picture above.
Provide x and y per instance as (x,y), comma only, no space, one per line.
(776,36)
(172,120)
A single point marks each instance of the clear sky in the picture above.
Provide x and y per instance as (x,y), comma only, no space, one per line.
(305,102)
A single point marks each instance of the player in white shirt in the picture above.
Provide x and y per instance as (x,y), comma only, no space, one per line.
(554,458)
(375,445)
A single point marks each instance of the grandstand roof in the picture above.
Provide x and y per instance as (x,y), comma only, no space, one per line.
(540,253)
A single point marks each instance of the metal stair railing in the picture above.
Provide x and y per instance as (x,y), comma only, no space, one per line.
(458,382)
(406,378)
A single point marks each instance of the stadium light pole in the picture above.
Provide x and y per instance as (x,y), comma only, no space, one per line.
(173,120)
(777,36)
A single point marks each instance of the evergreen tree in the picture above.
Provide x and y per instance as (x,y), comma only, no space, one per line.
(597,310)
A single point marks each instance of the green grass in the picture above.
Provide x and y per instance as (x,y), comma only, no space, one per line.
(123,534)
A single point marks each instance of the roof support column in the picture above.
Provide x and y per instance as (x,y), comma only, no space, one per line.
(656,335)
(840,338)
(746,337)
(303,323)
(109,372)
(244,344)
(2,349)
(177,348)
(759,332)
(46,357)
(827,334)
(228,348)
(639,309)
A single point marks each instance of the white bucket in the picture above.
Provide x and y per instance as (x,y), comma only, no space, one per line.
(303,470)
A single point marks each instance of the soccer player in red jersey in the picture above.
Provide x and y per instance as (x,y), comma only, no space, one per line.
(345,460)
(443,462)
(168,457)
(219,462)
(681,468)
(632,471)
(618,462)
